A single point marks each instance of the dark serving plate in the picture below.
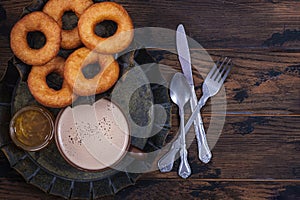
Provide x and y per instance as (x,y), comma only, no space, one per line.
(46,168)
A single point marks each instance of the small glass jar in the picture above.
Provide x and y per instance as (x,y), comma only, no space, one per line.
(32,128)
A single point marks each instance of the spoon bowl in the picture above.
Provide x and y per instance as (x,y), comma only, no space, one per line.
(179,90)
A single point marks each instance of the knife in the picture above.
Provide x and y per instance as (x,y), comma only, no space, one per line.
(183,51)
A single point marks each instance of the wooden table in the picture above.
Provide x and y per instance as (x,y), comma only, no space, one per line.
(258,153)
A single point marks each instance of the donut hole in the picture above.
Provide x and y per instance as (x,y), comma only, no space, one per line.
(36,39)
(69,20)
(91,70)
(106,28)
(54,81)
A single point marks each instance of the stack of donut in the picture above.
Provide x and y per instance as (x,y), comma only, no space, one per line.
(90,48)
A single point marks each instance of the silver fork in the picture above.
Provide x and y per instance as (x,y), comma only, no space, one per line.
(211,86)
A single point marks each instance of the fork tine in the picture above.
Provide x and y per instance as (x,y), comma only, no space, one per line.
(212,71)
(224,69)
(228,63)
(218,75)
(226,73)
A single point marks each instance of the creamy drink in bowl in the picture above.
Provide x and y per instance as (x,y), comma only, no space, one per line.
(92,137)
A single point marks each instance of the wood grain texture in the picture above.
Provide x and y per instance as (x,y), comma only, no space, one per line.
(257,154)
(162,189)
(262,82)
(13,11)
(224,23)
(12,189)
(247,148)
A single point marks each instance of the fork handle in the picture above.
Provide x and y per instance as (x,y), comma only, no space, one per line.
(165,164)
(204,152)
(192,118)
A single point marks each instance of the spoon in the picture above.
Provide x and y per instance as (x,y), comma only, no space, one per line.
(165,164)
(180,94)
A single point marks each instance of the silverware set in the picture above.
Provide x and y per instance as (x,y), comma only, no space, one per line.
(182,91)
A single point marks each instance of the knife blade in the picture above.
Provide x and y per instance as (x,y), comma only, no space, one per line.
(185,61)
(184,54)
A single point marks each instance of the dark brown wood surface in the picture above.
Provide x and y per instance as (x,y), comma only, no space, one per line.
(258,153)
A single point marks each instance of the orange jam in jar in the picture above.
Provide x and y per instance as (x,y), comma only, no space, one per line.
(32,128)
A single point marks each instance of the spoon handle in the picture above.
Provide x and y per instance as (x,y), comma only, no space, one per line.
(184,168)
(204,152)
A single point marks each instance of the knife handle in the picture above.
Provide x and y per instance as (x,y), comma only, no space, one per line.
(204,152)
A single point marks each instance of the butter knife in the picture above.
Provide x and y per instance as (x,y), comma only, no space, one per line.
(204,152)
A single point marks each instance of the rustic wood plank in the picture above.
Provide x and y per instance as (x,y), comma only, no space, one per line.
(13,10)
(262,82)
(152,189)
(209,190)
(172,189)
(185,189)
(224,23)
(248,148)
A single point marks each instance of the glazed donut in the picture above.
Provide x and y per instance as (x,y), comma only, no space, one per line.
(42,92)
(100,12)
(35,21)
(83,86)
(57,8)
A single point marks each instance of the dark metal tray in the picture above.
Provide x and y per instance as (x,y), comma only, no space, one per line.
(47,169)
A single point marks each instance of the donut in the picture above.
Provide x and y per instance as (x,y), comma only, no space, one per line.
(57,8)
(101,82)
(42,92)
(35,21)
(100,12)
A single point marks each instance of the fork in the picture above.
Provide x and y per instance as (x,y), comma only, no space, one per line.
(211,86)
